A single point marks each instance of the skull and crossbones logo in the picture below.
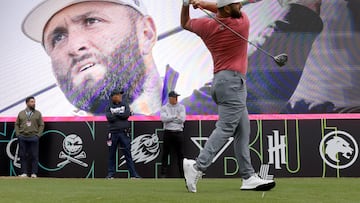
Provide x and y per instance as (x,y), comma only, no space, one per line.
(72,146)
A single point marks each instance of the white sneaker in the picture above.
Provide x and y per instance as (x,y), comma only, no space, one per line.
(191,174)
(33,175)
(257,183)
(24,175)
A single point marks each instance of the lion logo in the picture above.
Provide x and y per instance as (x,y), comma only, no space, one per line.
(144,148)
(338,145)
(339,149)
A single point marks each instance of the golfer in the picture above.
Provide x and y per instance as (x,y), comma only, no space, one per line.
(229,54)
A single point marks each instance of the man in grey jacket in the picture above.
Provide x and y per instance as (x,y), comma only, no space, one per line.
(173,116)
(29,127)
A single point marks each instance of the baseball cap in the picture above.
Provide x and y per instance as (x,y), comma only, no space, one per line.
(222,3)
(116,92)
(35,22)
(173,94)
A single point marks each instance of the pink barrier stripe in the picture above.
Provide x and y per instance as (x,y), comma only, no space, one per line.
(201,117)
(304,116)
(7,119)
(188,118)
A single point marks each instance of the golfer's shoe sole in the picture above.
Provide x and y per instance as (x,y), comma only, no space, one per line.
(264,187)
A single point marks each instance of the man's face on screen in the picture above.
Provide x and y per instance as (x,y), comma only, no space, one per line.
(94,49)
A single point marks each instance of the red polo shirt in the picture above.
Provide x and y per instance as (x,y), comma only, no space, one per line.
(228,51)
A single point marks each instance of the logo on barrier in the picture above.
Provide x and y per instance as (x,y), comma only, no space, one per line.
(72,153)
(144,148)
(338,149)
(12,153)
(277,149)
(264,172)
(197,141)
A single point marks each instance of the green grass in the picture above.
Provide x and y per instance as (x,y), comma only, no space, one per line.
(173,190)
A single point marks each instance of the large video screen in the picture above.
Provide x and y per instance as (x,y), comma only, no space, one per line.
(89,49)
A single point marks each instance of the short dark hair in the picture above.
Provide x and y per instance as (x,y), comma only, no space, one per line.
(117,91)
(29,98)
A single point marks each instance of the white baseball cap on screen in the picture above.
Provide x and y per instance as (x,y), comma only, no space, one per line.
(35,22)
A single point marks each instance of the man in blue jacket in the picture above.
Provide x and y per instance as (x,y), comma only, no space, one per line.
(117,114)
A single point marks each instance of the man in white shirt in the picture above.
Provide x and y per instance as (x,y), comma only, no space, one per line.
(173,116)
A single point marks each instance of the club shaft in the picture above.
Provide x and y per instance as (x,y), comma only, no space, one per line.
(237,34)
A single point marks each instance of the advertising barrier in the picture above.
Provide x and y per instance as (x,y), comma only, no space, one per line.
(291,145)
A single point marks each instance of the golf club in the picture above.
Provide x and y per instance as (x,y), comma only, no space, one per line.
(280,59)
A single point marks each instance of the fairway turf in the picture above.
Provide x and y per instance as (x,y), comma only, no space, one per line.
(173,190)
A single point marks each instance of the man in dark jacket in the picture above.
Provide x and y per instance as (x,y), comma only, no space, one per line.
(117,114)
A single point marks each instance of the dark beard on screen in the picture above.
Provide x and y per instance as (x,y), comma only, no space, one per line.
(125,70)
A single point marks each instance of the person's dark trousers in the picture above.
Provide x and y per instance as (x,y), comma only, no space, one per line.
(122,139)
(172,140)
(29,146)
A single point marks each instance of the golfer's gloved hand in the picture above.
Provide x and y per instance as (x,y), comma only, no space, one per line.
(196,4)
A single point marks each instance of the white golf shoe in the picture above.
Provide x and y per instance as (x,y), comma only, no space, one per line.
(24,175)
(257,183)
(191,174)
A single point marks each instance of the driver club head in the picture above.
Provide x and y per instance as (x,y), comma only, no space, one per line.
(281,59)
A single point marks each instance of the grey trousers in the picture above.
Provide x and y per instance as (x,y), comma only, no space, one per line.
(229,93)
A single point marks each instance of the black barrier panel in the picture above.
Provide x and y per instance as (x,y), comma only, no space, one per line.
(292,148)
